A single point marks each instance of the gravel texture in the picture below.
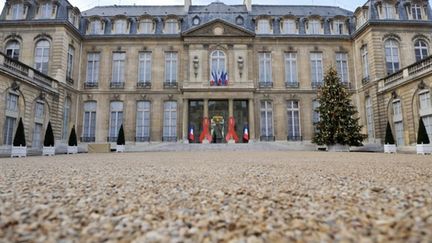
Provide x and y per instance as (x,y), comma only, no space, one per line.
(217,197)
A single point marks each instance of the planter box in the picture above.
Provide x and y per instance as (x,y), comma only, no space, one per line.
(390,148)
(424,149)
(72,149)
(338,148)
(19,152)
(48,151)
(120,148)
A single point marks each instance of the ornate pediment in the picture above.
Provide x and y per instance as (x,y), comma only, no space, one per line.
(218,27)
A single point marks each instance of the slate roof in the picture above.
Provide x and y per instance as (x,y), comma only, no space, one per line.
(131,10)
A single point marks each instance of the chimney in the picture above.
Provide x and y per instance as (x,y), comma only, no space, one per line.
(187,4)
(248,4)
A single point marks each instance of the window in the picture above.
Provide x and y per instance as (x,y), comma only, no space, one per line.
(263,26)
(46,10)
(72,17)
(38,125)
(12,102)
(316,69)
(416,12)
(289,26)
(170,121)
(315,114)
(342,67)
(218,67)
(365,62)
(427,120)
(171,67)
(266,120)
(66,116)
(116,119)
(144,74)
(397,119)
(314,27)
(291,69)
(120,26)
(89,130)
(9,129)
(70,62)
(388,11)
(143,121)
(92,68)
(265,70)
(118,68)
(96,27)
(42,56)
(17,11)
(146,26)
(171,26)
(338,27)
(421,50)
(293,112)
(392,56)
(370,119)
(13,49)
(425,100)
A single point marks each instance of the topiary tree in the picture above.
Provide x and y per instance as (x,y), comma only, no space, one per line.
(422,136)
(19,139)
(121,136)
(337,124)
(49,136)
(73,138)
(389,135)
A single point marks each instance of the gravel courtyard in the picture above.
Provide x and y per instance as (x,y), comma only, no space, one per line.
(217,197)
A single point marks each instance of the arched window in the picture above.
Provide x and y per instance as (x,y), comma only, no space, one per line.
(42,53)
(421,50)
(13,49)
(392,56)
(218,62)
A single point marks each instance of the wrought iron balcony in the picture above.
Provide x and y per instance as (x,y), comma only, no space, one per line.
(294,138)
(365,80)
(265,84)
(88,139)
(292,84)
(144,85)
(170,85)
(91,85)
(117,85)
(142,139)
(169,139)
(316,85)
(267,138)
(111,139)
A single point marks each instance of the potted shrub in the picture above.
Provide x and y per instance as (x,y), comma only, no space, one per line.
(19,148)
(48,148)
(423,144)
(72,143)
(120,141)
(389,143)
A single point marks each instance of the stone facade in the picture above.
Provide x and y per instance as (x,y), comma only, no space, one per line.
(98,58)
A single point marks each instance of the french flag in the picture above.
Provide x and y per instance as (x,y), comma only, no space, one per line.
(191,134)
(246,134)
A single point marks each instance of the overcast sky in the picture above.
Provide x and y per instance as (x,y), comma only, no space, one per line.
(86,4)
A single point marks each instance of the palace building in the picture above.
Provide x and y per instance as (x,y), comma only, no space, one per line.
(194,73)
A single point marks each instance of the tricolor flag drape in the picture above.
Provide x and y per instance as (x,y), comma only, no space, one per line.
(219,79)
(246,134)
(191,134)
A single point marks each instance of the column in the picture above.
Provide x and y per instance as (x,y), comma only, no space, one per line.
(185,120)
(206,112)
(230,108)
(251,120)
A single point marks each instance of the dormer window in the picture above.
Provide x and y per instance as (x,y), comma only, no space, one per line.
(338,27)
(96,27)
(17,11)
(120,26)
(388,11)
(146,26)
(196,21)
(289,26)
(73,18)
(46,10)
(171,26)
(416,12)
(263,26)
(314,27)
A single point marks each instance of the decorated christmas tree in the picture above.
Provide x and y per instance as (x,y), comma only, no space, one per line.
(49,136)
(389,135)
(337,124)
(121,136)
(73,138)
(19,139)
(422,136)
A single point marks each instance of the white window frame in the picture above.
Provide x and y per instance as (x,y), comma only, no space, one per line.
(263,26)
(42,60)
(118,67)
(66,117)
(96,27)
(217,62)
(266,122)
(370,119)
(89,124)
(416,12)
(293,119)
(365,61)
(17,11)
(388,11)
(338,27)
(391,51)
(93,62)
(70,62)
(171,67)
(265,67)
(291,70)
(145,67)
(316,59)
(421,47)
(146,26)
(116,118)
(143,119)
(289,26)
(170,120)
(342,66)
(314,27)
(13,46)
(171,26)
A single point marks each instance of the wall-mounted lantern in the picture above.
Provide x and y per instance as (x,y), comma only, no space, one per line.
(240,63)
(196,66)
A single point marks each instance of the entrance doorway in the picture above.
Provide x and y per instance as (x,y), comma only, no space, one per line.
(218,115)
(195,118)
(241,117)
